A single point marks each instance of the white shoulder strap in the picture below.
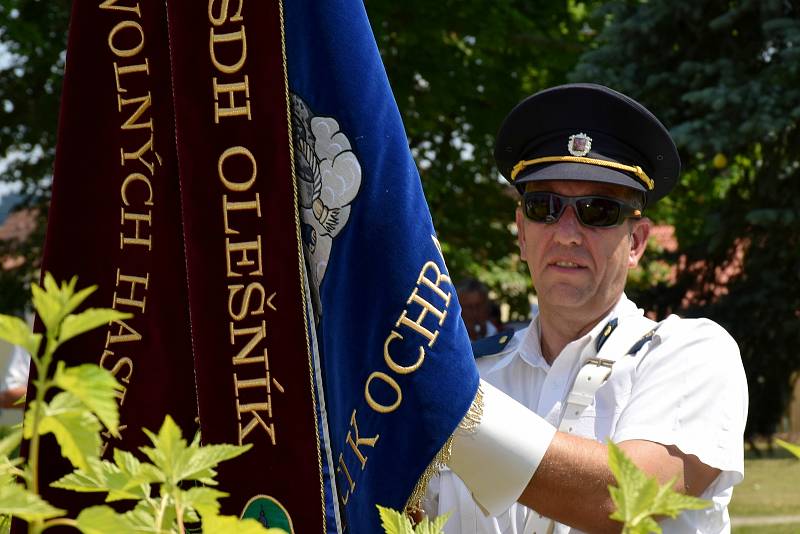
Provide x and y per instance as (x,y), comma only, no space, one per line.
(595,371)
(627,339)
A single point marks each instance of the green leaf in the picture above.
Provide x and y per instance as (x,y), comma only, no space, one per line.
(54,303)
(90,319)
(15,500)
(17,332)
(179,462)
(432,526)
(639,497)
(106,477)
(10,443)
(142,517)
(202,498)
(47,306)
(131,466)
(791,447)
(75,300)
(225,524)
(394,522)
(95,387)
(75,428)
(103,519)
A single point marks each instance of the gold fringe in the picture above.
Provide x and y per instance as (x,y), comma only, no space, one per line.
(468,425)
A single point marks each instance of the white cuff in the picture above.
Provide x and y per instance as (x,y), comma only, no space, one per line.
(498,458)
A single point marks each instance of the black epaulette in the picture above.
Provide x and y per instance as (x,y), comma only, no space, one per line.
(608,329)
(644,339)
(491,345)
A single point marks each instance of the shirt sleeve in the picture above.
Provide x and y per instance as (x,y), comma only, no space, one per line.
(17,374)
(690,391)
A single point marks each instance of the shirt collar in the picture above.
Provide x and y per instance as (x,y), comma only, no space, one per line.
(531,349)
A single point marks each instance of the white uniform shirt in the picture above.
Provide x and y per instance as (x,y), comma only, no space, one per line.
(686,387)
(18,367)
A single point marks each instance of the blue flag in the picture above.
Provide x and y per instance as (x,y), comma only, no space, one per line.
(396,371)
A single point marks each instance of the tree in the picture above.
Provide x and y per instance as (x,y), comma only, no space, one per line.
(32,43)
(723,76)
(456,69)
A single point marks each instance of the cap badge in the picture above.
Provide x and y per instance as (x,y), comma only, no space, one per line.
(579,144)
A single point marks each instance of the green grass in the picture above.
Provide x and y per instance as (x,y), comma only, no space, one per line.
(771,486)
(768,529)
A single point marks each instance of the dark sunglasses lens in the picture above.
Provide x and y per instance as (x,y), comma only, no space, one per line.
(598,211)
(537,206)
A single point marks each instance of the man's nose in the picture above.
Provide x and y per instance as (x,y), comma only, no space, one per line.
(568,230)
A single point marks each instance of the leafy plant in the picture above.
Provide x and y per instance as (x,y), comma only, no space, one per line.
(83,404)
(639,498)
(394,522)
(791,447)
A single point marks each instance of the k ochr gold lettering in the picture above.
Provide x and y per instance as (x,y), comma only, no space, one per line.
(342,469)
(392,383)
(359,441)
(393,365)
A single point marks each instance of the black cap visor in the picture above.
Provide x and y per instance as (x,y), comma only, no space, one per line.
(576,171)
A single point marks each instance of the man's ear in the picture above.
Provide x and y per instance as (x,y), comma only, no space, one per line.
(640,231)
(520,218)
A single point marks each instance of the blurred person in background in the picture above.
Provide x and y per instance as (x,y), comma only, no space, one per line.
(15,379)
(476,308)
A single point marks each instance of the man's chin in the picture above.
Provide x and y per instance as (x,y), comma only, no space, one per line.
(563,298)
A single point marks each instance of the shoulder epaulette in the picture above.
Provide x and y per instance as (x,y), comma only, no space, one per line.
(644,339)
(491,345)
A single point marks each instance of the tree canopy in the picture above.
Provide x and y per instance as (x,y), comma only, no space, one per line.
(723,76)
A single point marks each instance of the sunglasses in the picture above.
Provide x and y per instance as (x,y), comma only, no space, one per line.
(593,211)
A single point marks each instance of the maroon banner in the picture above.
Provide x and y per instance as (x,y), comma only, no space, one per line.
(246,295)
(114,219)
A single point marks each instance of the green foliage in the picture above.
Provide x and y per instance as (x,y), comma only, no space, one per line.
(394,522)
(791,447)
(32,42)
(95,389)
(639,498)
(76,428)
(16,331)
(173,464)
(456,69)
(723,77)
(17,501)
(168,491)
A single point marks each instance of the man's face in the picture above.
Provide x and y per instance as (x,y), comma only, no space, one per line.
(575,268)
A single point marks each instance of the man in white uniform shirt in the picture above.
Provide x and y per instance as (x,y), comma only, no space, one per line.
(590,367)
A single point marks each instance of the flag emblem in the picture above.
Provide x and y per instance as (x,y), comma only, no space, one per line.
(328,178)
(269,512)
